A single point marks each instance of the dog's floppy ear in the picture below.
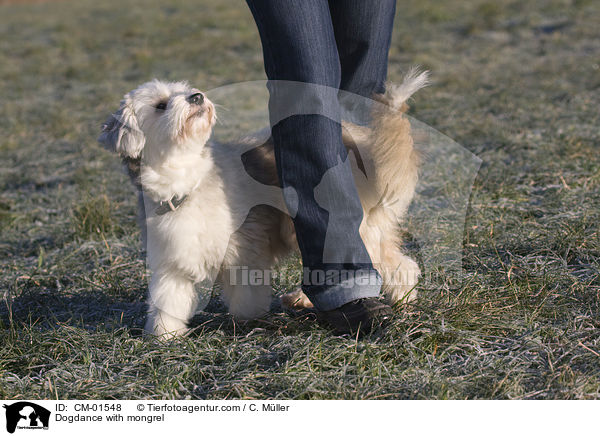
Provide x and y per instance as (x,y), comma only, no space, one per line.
(121,133)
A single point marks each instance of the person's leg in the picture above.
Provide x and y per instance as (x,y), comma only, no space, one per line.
(299,45)
(363,33)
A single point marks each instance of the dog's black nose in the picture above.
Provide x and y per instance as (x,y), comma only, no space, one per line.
(196,98)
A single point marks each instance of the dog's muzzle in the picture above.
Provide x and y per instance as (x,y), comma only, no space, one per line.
(197,98)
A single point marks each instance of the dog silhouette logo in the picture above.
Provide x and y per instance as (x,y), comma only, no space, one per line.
(26,415)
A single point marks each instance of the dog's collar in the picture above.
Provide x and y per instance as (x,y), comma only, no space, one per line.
(170,205)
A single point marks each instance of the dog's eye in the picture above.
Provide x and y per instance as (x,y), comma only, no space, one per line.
(161,106)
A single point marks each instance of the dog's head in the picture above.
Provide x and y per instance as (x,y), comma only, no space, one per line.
(157,116)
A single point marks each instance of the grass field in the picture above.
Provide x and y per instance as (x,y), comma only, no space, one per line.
(516,83)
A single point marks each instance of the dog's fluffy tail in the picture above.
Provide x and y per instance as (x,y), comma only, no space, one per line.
(393,152)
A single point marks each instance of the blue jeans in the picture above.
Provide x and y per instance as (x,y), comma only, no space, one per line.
(339,44)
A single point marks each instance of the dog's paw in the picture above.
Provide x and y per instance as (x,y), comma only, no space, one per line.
(401,288)
(295,300)
(247,302)
(164,326)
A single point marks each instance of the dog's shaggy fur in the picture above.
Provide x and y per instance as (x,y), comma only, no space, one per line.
(208,190)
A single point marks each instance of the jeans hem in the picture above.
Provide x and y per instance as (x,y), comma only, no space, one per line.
(362,286)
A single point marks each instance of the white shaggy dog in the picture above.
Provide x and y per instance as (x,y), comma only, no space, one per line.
(195,197)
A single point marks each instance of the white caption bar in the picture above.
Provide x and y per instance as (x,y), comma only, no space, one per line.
(88,418)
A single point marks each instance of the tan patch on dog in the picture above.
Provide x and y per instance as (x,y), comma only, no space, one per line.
(295,300)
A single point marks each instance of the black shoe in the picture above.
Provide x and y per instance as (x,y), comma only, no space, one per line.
(360,315)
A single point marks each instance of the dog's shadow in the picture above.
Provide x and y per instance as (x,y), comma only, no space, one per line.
(46,311)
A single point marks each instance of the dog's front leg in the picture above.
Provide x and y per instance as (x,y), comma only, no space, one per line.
(171,304)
